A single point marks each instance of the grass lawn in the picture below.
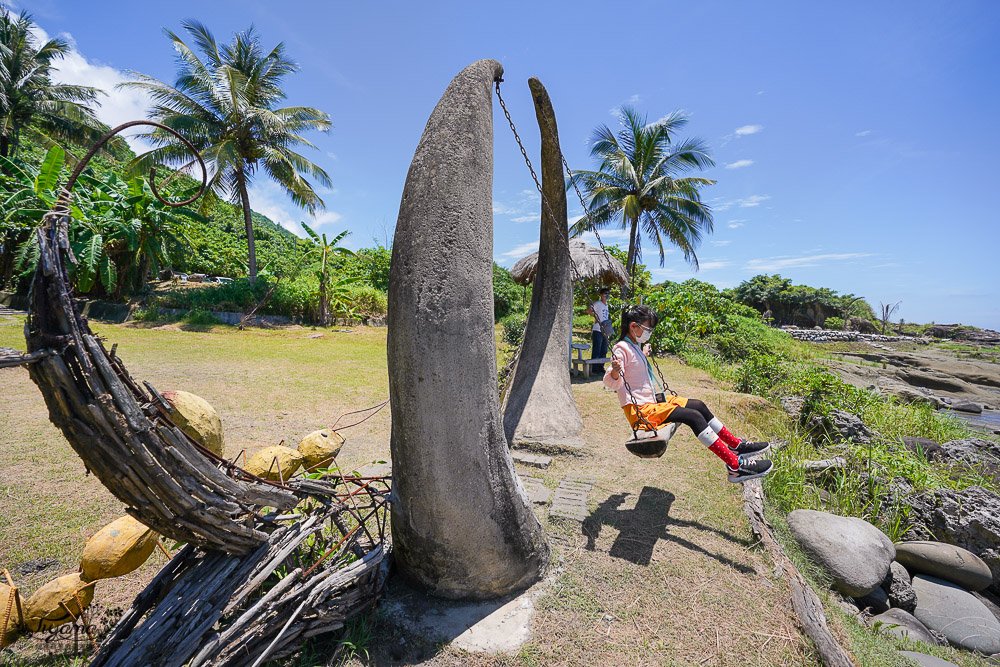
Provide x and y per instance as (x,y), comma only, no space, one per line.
(662,572)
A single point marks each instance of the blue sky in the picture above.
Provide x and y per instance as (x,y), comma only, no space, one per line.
(856,143)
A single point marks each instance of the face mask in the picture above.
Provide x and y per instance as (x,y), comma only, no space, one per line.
(645,336)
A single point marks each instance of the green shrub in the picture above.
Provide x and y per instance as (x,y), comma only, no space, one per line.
(834,323)
(367,300)
(513,328)
(199,316)
(745,337)
(760,374)
(508,296)
(150,313)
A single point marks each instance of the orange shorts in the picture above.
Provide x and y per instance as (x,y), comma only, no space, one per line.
(655,413)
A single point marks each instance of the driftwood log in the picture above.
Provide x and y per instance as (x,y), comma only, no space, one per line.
(805,602)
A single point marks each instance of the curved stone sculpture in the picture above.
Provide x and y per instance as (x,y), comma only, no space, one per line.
(461,523)
(540,409)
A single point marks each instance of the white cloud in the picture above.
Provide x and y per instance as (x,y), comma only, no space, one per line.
(863,133)
(715,264)
(520,251)
(760,92)
(119,106)
(720,243)
(735,225)
(787,262)
(752,200)
(332,156)
(739,164)
(747,129)
(631,101)
(526,218)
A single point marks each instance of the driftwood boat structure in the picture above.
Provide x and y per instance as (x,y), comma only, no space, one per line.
(266,565)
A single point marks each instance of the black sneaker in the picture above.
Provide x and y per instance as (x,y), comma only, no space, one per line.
(749,470)
(747,448)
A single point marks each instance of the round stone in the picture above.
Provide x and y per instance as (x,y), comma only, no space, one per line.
(319,448)
(965,621)
(945,561)
(275,463)
(904,625)
(854,552)
(196,417)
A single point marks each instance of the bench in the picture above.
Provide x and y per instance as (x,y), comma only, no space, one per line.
(581,365)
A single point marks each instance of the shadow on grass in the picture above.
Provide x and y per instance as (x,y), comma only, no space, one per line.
(640,528)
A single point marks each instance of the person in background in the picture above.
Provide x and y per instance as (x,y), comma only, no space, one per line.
(598,342)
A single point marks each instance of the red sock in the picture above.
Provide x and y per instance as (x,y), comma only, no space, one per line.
(728,437)
(721,450)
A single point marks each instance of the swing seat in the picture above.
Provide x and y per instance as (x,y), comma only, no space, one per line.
(651,444)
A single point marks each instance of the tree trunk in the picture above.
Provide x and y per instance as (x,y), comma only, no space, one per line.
(540,408)
(324,319)
(4,146)
(248,221)
(462,525)
(630,260)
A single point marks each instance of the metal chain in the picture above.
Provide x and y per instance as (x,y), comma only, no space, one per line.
(534,176)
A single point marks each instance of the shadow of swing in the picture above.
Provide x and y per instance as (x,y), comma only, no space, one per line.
(641,527)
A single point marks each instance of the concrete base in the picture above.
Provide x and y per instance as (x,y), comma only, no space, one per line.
(497,626)
(572,446)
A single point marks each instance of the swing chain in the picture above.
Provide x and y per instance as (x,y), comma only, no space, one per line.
(534,176)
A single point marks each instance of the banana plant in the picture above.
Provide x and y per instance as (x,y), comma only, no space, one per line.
(333,297)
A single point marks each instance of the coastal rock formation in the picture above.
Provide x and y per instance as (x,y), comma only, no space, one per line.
(540,408)
(969,518)
(898,588)
(462,525)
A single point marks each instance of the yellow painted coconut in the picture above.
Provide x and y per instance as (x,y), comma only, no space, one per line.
(11,631)
(117,549)
(43,610)
(197,418)
(319,447)
(263,463)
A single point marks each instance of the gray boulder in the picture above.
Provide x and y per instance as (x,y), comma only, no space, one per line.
(967,406)
(945,561)
(929,449)
(969,518)
(904,625)
(898,588)
(925,660)
(854,552)
(953,611)
(841,426)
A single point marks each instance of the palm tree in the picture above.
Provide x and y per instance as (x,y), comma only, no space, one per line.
(638,186)
(224,103)
(59,111)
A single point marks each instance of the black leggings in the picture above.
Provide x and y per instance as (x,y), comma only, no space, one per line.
(696,415)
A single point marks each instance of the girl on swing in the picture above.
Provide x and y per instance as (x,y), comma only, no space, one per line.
(629,363)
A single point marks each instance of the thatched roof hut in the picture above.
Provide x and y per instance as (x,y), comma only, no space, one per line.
(588,263)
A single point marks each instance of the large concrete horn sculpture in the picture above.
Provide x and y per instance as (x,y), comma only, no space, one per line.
(540,408)
(462,526)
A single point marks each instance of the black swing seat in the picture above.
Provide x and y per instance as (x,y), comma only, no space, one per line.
(651,444)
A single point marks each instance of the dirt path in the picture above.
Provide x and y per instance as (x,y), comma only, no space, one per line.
(661,572)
